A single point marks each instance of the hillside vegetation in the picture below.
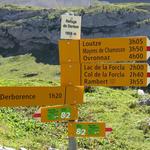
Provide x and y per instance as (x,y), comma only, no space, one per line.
(23,69)
(118,108)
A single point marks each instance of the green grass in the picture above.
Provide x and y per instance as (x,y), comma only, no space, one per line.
(18,130)
(15,69)
(118,108)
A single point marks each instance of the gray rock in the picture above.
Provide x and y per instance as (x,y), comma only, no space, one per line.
(140,92)
(38,31)
(6,148)
(50,148)
(144,102)
(22,148)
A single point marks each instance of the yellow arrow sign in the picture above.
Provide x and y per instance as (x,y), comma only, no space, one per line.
(118,74)
(86,129)
(40,96)
(104,50)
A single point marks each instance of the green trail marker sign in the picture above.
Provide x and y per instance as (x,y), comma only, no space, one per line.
(57,113)
(87,129)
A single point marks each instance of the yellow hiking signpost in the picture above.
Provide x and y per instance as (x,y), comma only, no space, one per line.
(40,96)
(106,74)
(103,62)
(104,50)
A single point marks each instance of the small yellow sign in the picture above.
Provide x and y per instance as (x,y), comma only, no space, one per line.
(39,96)
(113,74)
(114,49)
(59,113)
(86,129)
(104,50)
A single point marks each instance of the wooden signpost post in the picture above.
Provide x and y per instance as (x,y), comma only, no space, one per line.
(104,50)
(111,74)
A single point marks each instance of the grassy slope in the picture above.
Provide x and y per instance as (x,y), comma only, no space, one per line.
(14,71)
(116,107)
(121,8)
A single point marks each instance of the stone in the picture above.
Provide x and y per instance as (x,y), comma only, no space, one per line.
(140,92)
(144,102)
(50,148)
(22,148)
(7,148)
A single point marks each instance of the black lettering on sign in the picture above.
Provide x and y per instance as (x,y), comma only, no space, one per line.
(91,43)
(136,81)
(136,41)
(136,67)
(136,74)
(136,56)
(68,33)
(16,97)
(136,48)
(55,95)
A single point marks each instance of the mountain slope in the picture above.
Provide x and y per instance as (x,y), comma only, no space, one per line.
(37,31)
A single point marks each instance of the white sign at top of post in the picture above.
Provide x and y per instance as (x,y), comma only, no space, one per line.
(70,26)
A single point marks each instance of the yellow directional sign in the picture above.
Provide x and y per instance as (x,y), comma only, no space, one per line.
(104,50)
(113,74)
(86,129)
(40,96)
(59,113)
(114,49)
